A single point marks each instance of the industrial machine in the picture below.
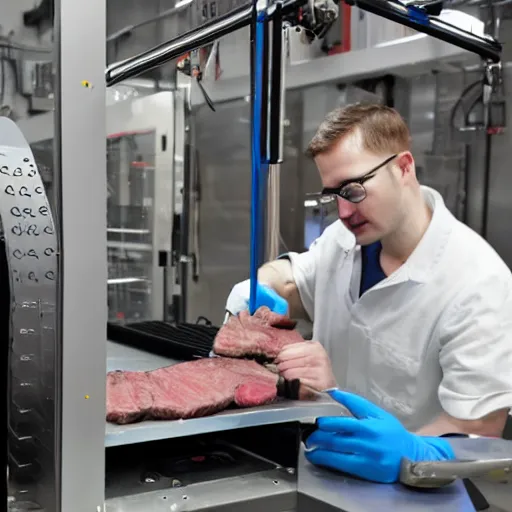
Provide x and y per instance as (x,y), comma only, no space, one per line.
(62,455)
(141,174)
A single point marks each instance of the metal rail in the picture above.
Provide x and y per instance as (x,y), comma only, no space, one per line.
(485,47)
(192,40)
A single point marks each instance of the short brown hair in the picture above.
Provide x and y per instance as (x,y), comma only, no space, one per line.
(382,129)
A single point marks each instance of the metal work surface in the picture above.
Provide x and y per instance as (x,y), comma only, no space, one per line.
(125,358)
(122,357)
(274,491)
(240,418)
(323,491)
(31,250)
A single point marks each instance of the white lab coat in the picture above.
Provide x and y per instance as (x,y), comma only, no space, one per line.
(436,334)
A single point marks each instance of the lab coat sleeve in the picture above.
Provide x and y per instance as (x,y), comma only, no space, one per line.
(304,268)
(476,350)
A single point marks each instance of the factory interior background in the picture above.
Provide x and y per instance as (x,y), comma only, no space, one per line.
(437,97)
(178,171)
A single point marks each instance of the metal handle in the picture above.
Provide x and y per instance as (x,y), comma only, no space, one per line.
(275,132)
(440,473)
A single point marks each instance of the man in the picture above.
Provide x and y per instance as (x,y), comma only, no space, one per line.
(411,309)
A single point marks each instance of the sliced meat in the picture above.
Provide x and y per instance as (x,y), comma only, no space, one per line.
(255,393)
(187,390)
(255,336)
(272,319)
(128,397)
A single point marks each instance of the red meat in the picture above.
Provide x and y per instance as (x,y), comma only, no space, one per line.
(188,390)
(264,334)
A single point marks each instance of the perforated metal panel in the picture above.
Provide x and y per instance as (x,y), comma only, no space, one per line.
(31,248)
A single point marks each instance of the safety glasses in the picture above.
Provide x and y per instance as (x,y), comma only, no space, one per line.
(353,190)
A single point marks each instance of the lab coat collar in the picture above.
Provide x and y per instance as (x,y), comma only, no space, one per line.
(427,254)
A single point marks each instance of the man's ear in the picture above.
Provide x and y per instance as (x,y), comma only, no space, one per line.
(405,161)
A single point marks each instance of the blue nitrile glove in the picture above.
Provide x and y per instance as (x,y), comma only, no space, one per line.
(238,299)
(371,445)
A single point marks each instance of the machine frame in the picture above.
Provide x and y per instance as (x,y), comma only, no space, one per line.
(154,114)
(80,58)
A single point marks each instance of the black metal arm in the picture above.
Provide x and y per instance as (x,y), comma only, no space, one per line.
(485,47)
(192,40)
(416,18)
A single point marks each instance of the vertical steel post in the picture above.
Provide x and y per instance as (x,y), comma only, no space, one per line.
(80,165)
(258,159)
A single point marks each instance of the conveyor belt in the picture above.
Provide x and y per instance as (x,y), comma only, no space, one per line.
(184,341)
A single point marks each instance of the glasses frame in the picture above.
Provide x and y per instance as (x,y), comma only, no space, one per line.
(338,191)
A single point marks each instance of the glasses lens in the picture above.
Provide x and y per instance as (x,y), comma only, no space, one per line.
(353,192)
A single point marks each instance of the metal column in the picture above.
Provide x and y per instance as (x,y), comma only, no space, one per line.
(80,148)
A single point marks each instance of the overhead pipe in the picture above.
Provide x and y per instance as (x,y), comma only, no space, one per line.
(485,47)
(274,139)
(415,18)
(192,40)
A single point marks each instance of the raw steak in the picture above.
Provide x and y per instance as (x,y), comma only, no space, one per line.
(264,334)
(128,397)
(268,317)
(188,390)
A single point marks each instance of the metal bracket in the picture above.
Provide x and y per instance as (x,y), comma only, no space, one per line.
(190,65)
(492,100)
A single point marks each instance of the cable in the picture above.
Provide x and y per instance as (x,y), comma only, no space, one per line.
(10,59)
(5,43)
(462,97)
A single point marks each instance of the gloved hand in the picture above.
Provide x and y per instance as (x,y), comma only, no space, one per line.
(238,299)
(371,445)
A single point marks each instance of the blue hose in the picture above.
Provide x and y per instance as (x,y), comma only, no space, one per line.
(258,172)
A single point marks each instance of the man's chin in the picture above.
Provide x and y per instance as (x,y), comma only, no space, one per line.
(366,236)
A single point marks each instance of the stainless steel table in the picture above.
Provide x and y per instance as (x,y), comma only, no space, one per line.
(120,357)
(325,491)
(311,489)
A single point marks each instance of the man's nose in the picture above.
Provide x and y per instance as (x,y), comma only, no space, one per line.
(345,208)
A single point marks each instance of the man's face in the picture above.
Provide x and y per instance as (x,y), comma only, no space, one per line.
(382,210)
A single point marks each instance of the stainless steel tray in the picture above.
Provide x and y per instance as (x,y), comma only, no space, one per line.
(120,357)
(123,357)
